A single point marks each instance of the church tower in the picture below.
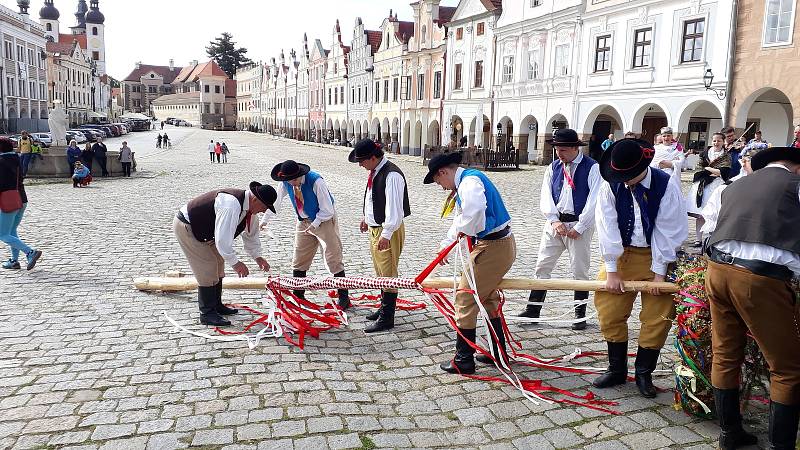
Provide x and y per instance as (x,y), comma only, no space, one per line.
(95,36)
(48,17)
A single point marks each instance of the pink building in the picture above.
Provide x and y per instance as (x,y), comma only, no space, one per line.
(318,65)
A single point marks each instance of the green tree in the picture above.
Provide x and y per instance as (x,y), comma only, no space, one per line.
(224,52)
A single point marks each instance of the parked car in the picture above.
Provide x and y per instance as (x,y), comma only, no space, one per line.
(78,135)
(181,123)
(90,134)
(105,131)
(45,138)
(122,127)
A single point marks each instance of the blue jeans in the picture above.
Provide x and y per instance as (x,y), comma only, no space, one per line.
(25,161)
(9,222)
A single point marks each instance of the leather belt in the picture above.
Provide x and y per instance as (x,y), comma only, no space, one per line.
(182,218)
(567,218)
(496,235)
(762,268)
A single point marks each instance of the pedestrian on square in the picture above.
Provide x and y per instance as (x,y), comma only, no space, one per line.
(567,200)
(87,156)
(206,228)
(36,151)
(126,159)
(669,155)
(385,206)
(101,155)
(715,170)
(317,225)
(24,145)
(482,217)
(211,151)
(607,143)
(711,210)
(73,155)
(218,151)
(641,222)
(81,177)
(162,124)
(754,253)
(158,140)
(225,152)
(13,202)
(167,143)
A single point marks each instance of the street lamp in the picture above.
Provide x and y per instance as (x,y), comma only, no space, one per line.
(708,79)
(499,136)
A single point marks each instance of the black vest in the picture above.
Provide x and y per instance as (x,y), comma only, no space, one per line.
(379,193)
(762,208)
(203,217)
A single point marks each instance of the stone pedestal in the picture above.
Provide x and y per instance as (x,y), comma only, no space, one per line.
(54,165)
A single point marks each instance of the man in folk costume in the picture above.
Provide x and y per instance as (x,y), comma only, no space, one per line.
(385,206)
(641,222)
(483,218)
(567,200)
(317,224)
(754,253)
(206,228)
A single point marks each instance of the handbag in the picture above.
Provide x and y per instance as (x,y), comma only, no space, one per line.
(11,200)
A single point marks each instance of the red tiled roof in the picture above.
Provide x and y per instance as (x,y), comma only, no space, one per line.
(184,74)
(68,38)
(405,30)
(374,38)
(230,88)
(192,73)
(492,5)
(445,14)
(168,75)
(58,47)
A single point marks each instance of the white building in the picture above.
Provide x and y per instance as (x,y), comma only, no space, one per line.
(360,71)
(303,80)
(470,53)
(388,63)
(642,67)
(335,88)
(200,97)
(69,70)
(248,96)
(23,93)
(537,61)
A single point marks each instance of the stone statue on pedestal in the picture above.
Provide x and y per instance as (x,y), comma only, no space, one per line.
(57,120)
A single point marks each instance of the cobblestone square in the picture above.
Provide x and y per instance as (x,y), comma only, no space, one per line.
(88,362)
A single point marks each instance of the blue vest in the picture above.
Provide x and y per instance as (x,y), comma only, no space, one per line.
(496,213)
(310,201)
(581,179)
(649,201)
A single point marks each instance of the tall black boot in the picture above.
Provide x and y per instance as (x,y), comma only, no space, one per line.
(222,309)
(532,311)
(300,293)
(783,426)
(617,372)
(646,360)
(386,316)
(498,346)
(374,315)
(344,295)
(207,301)
(580,310)
(730,420)
(463,361)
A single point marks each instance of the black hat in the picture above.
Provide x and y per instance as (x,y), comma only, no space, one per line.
(770,155)
(365,149)
(265,194)
(289,170)
(566,137)
(625,159)
(440,162)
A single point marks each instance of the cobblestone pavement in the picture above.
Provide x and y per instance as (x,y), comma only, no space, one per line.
(88,362)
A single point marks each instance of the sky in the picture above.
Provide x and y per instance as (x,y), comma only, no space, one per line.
(153,31)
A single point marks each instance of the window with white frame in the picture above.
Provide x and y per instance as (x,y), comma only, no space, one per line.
(420,86)
(692,47)
(602,53)
(437,84)
(533,64)
(457,77)
(562,60)
(642,47)
(508,69)
(778,21)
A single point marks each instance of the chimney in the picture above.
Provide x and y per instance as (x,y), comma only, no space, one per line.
(171,65)
(138,65)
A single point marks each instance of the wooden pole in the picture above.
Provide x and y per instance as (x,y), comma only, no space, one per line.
(172,284)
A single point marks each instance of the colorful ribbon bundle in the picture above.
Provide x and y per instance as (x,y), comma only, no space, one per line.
(693,391)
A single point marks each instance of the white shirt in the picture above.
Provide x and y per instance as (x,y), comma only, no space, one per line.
(470,217)
(565,204)
(395,188)
(211,147)
(672,154)
(711,210)
(324,199)
(762,252)
(229,214)
(670,230)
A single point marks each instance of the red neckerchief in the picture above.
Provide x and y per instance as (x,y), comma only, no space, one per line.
(566,175)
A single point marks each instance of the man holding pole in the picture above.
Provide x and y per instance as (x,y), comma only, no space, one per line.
(641,222)
(317,225)
(206,228)
(483,218)
(567,200)
(385,206)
